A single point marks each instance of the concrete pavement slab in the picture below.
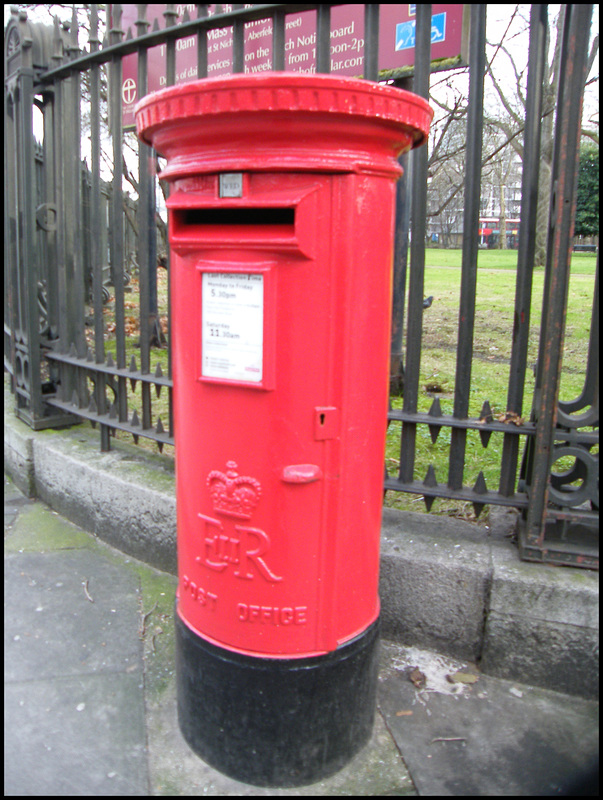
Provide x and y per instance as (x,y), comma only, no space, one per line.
(74,694)
(543,624)
(90,703)
(90,693)
(73,613)
(83,735)
(464,733)
(436,578)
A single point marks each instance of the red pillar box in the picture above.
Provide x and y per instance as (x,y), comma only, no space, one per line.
(281,230)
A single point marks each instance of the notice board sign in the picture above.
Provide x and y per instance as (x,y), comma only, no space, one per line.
(449,39)
(233,326)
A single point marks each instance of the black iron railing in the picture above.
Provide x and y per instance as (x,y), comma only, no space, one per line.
(69,238)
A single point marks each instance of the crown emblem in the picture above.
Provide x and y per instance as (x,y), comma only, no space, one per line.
(233,494)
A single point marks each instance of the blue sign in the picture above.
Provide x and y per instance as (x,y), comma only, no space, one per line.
(405,31)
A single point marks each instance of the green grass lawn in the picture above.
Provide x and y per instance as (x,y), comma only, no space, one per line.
(583,263)
(495,294)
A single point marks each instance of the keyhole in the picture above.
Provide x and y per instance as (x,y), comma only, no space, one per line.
(322,419)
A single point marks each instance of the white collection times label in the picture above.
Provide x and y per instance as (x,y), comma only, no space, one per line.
(233,326)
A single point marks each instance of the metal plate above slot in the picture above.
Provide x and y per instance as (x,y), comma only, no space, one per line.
(231,184)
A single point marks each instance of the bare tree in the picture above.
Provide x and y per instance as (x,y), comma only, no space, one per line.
(511,94)
(507,79)
(445,175)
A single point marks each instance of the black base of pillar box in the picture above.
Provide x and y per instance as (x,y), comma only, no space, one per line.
(276,722)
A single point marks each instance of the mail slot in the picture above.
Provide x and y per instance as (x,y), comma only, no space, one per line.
(281,213)
(182,218)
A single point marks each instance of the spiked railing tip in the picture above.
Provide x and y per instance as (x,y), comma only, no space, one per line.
(486,412)
(430,478)
(485,416)
(479,488)
(435,410)
(480,484)
(428,499)
(485,437)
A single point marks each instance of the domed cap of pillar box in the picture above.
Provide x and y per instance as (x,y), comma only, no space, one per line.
(282,122)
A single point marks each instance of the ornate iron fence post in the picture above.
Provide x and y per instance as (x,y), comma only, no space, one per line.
(28,327)
(559,527)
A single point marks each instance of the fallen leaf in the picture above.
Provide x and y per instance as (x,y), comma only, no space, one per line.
(512,417)
(417,678)
(462,677)
(404,713)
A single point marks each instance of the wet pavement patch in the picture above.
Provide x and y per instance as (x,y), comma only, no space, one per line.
(462,733)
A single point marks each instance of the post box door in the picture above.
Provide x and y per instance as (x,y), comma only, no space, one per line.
(269,410)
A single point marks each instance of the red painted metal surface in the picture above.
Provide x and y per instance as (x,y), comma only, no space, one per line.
(281,231)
